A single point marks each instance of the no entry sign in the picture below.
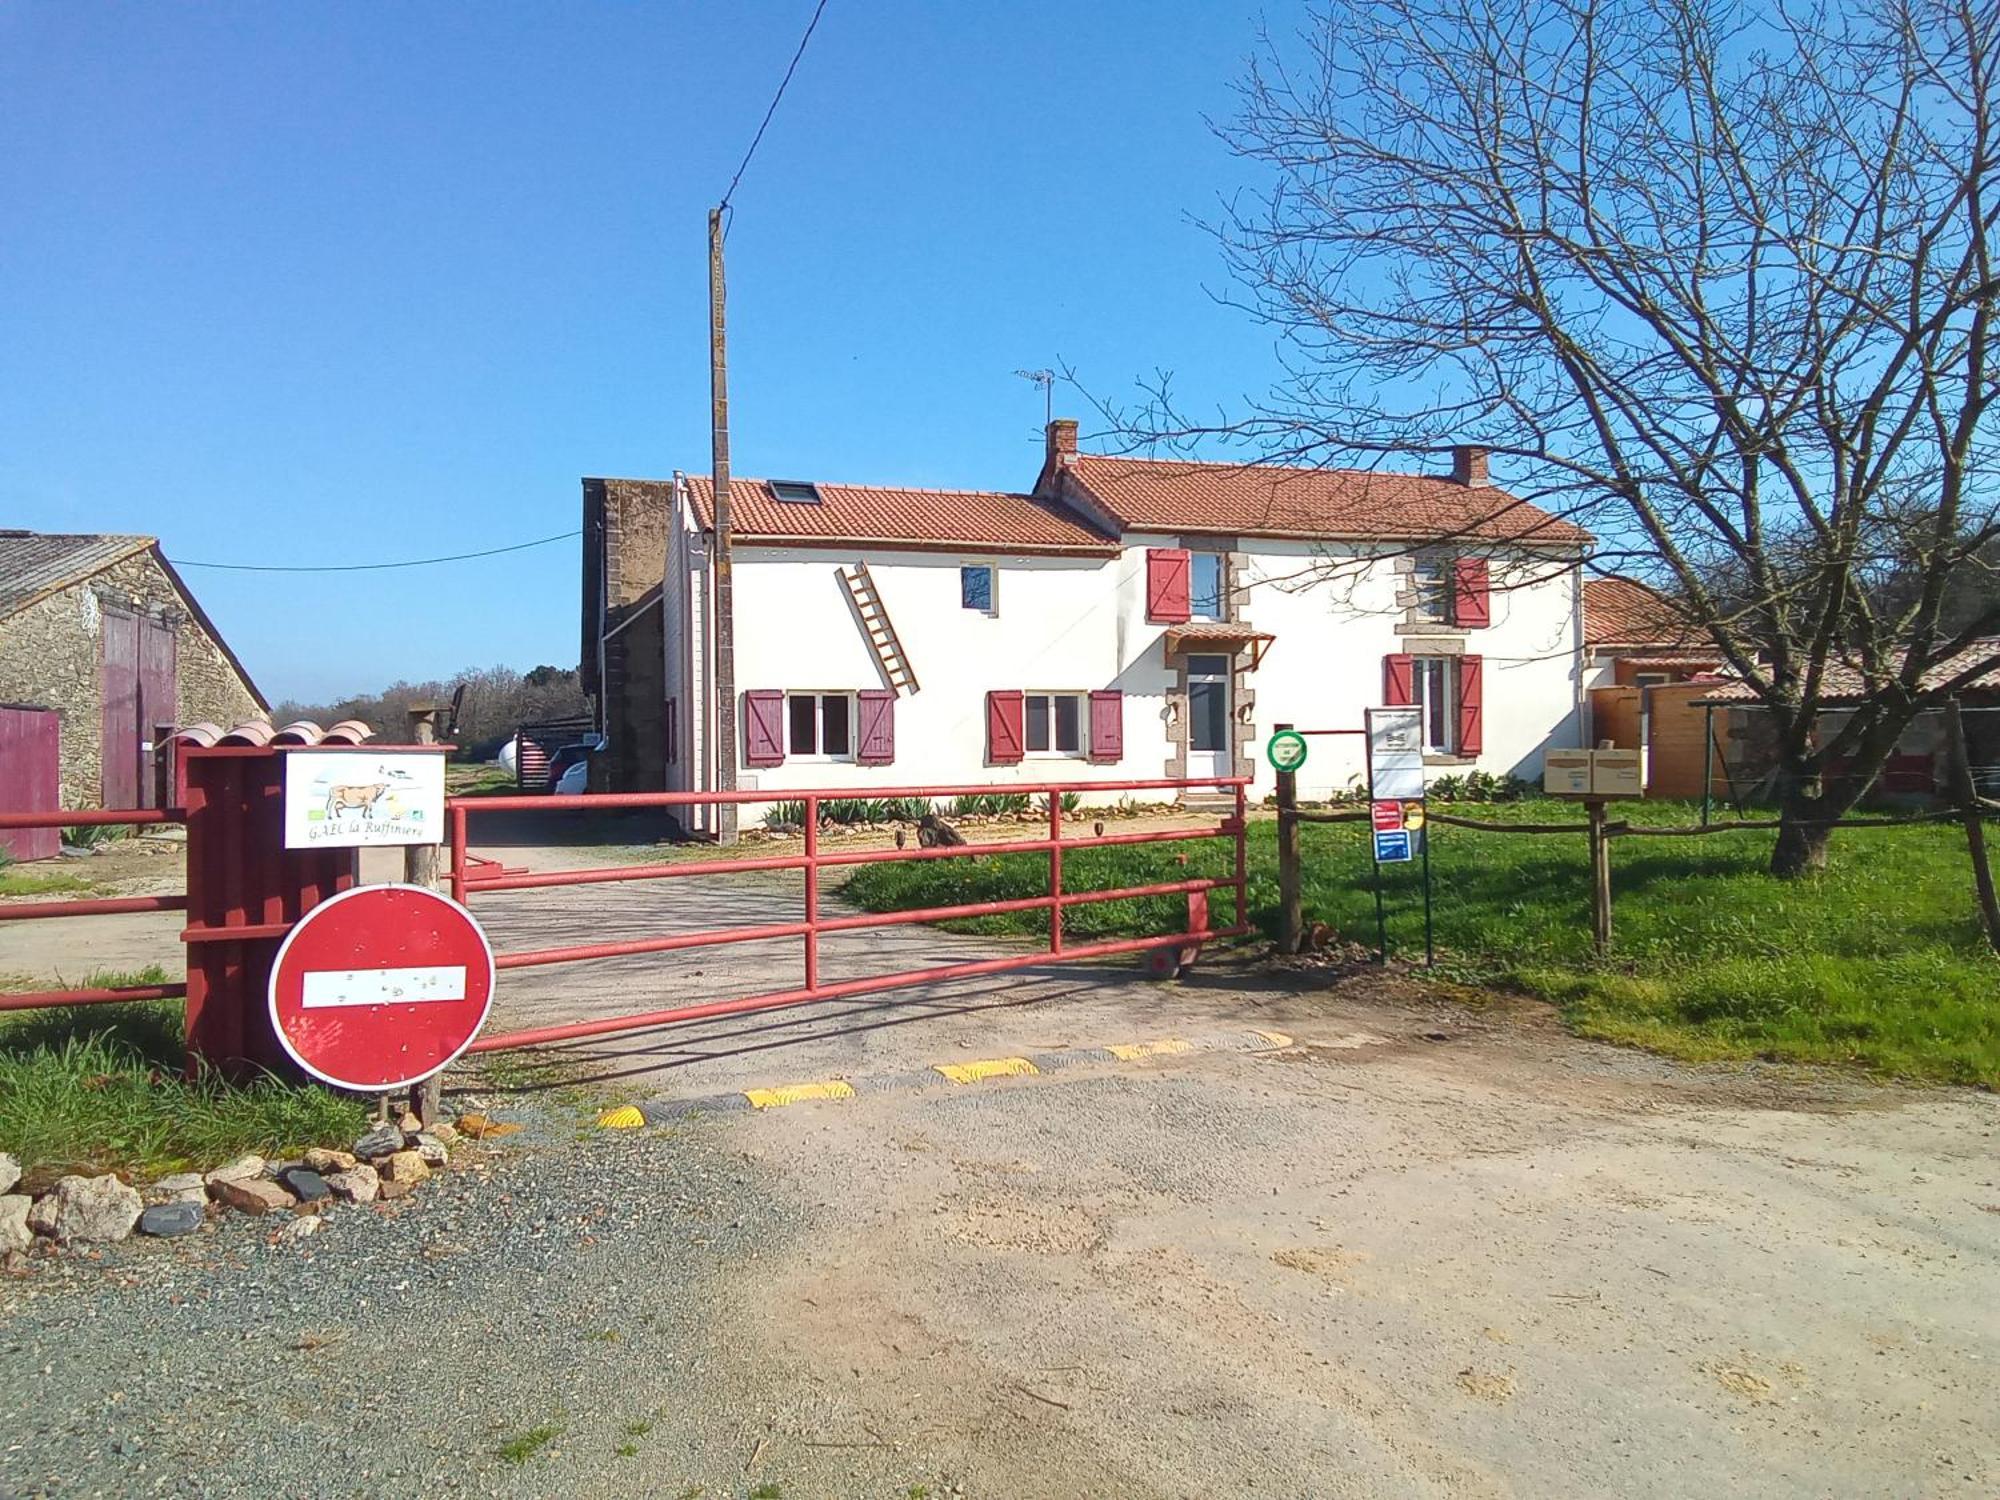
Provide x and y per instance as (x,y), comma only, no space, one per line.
(381,986)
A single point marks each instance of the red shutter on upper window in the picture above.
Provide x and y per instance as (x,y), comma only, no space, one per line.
(1004,739)
(1471,704)
(1471,596)
(1107,726)
(1167,585)
(876,743)
(1399,686)
(764,728)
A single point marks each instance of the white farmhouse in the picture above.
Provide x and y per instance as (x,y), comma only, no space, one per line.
(1128,618)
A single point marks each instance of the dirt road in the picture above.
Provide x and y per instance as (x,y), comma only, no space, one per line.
(1410,1248)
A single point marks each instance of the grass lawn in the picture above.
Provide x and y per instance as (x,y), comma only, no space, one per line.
(97,1088)
(1878,962)
(32,883)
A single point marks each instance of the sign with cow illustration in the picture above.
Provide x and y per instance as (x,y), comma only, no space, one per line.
(351,798)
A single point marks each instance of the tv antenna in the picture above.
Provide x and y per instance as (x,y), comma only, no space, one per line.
(1046,379)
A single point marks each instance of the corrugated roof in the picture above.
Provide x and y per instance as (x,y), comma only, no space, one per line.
(989,520)
(1269,500)
(35,564)
(1844,683)
(1625,612)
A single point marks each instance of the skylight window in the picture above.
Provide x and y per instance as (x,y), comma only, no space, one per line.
(795,491)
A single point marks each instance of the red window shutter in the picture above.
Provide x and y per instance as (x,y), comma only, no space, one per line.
(876,744)
(764,728)
(1471,597)
(1167,585)
(1004,738)
(1107,727)
(1399,685)
(1471,704)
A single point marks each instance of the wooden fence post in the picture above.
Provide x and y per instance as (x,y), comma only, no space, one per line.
(420,867)
(1291,913)
(1600,879)
(1966,795)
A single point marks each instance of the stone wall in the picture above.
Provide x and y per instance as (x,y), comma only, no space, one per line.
(51,657)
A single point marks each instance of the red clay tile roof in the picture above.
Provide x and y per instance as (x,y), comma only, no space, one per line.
(1625,612)
(1843,683)
(981,520)
(1266,500)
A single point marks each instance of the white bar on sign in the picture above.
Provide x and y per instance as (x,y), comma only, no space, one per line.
(329,987)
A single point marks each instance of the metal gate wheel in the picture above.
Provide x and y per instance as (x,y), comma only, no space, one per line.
(1169,963)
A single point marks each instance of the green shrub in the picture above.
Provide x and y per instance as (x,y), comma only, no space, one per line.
(90,835)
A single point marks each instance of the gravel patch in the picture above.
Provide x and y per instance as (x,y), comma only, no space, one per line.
(556,1279)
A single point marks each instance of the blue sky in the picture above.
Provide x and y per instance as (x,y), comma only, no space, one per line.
(359,282)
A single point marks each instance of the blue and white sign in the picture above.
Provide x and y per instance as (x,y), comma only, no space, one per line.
(1392,848)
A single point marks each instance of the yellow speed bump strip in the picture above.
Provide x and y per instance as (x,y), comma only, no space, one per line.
(1166,1047)
(1034,1066)
(797,1093)
(976,1072)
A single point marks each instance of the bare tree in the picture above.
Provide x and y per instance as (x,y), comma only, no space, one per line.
(1715,279)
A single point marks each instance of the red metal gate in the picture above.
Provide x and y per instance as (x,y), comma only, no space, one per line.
(467,881)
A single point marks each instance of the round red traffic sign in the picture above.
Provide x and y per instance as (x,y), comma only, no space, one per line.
(381,986)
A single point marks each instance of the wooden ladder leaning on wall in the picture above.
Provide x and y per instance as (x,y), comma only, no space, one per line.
(875,621)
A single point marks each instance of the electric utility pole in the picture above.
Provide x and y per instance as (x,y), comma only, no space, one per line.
(725,586)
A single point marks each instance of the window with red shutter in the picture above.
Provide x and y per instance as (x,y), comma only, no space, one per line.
(876,744)
(1398,684)
(1004,737)
(764,728)
(1107,727)
(1471,594)
(1167,590)
(1471,704)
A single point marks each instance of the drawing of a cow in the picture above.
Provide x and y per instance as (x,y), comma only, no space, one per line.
(342,799)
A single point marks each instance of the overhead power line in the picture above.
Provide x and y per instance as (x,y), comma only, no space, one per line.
(414,562)
(783,84)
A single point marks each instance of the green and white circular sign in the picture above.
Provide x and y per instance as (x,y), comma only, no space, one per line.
(1286,750)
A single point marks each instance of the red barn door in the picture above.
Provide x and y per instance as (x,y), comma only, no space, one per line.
(30,777)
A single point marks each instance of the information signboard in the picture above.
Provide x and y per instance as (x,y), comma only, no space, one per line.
(1395,753)
(348,799)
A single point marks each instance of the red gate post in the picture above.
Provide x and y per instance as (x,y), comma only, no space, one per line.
(245,890)
(812,893)
(1242,856)
(1055,871)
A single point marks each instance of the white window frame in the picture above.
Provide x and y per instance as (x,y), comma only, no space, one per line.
(992,573)
(1221,587)
(1049,696)
(820,697)
(1431,579)
(1446,670)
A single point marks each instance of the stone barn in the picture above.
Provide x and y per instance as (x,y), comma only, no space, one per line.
(101,643)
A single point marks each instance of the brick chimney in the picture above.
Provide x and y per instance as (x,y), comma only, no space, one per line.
(1062,441)
(1059,455)
(1468,466)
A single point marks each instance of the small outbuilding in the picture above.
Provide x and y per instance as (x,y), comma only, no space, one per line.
(101,645)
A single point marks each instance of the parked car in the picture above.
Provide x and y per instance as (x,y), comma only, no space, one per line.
(569,767)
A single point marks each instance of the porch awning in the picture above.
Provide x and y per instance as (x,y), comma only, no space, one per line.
(1220,635)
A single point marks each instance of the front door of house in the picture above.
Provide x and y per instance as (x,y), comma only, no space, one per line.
(1208,716)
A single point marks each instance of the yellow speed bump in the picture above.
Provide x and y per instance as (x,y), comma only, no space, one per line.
(1166,1047)
(797,1093)
(998,1067)
(624,1117)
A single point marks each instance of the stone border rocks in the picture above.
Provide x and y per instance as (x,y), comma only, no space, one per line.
(390,1161)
